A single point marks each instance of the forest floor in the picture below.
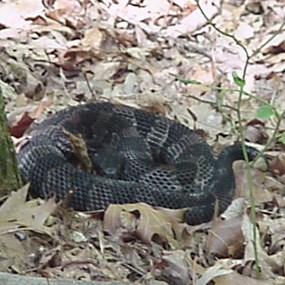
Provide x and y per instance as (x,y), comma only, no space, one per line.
(217,67)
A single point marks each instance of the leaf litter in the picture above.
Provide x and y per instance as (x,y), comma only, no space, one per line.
(60,53)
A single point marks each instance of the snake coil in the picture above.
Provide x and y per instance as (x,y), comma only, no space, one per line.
(138,156)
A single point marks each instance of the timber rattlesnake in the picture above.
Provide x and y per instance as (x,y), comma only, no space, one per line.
(138,157)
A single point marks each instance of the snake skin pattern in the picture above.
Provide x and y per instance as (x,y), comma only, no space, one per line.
(138,156)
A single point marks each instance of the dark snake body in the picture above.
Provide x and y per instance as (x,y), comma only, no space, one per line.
(138,157)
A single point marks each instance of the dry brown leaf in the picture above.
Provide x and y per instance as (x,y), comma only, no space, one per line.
(18,75)
(71,58)
(277,164)
(225,238)
(273,232)
(211,273)
(80,150)
(19,124)
(93,39)
(237,279)
(148,224)
(255,132)
(12,253)
(266,264)
(175,267)
(16,213)
(18,128)
(61,15)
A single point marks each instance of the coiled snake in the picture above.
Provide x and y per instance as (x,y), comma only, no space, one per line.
(138,156)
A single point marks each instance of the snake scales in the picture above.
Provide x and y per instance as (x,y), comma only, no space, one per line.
(138,156)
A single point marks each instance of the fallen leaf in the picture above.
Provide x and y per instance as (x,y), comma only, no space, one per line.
(93,39)
(225,238)
(13,13)
(147,223)
(12,253)
(18,128)
(211,273)
(19,124)
(15,213)
(277,164)
(235,278)
(195,20)
(255,132)
(80,149)
(175,267)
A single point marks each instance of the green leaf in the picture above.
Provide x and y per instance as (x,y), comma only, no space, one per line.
(238,81)
(282,138)
(264,112)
